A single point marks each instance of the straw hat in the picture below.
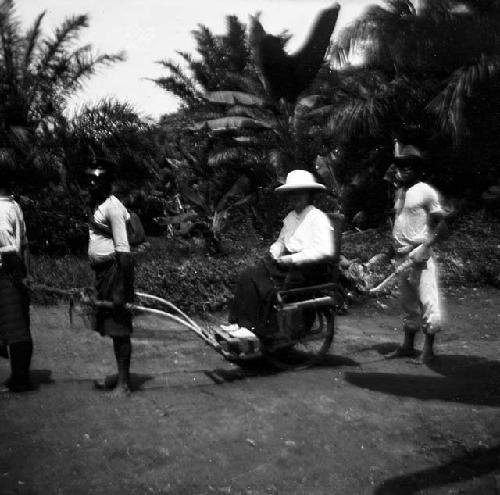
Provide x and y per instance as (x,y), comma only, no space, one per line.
(298,180)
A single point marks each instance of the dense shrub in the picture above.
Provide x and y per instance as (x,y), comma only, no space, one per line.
(181,271)
(56,221)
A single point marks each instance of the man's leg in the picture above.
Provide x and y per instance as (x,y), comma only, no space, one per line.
(410,304)
(431,306)
(20,360)
(123,354)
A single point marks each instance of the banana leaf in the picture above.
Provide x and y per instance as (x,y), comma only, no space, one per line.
(235,98)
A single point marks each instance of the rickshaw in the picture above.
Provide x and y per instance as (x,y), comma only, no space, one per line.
(305,318)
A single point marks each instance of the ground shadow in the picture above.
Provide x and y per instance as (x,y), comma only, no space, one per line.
(260,367)
(384,348)
(40,377)
(333,361)
(465,379)
(476,463)
(248,369)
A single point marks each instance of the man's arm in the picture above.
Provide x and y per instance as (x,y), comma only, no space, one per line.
(439,231)
(439,228)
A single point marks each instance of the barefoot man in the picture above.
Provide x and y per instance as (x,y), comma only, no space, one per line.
(418,225)
(111,261)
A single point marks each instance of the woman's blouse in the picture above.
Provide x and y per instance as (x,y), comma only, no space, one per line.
(307,236)
(11,219)
(109,234)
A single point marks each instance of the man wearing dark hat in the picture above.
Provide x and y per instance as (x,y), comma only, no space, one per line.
(418,225)
(111,260)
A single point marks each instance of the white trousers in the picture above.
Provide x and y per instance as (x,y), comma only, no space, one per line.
(420,298)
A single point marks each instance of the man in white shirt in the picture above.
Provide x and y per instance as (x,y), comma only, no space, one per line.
(15,331)
(418,225)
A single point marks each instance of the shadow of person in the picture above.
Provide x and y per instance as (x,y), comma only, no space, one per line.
(334,361)
(261,367)
(476,368)
(465,379)
(246,369)
(384,348)
(40,377)
(474,464)
(138,380)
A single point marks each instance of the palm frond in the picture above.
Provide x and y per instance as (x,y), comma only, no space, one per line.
(358,117)
(32,37)
(450,103)
(63,37)
(232,123)
(235,98)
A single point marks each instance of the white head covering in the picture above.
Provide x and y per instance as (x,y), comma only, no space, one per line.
(298,180)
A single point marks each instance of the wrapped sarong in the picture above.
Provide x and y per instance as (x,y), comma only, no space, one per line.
(107,282)
(14,301)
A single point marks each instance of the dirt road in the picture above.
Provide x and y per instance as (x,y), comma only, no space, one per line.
(358,424)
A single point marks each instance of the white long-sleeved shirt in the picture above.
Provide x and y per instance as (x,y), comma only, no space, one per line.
(111,216)
(12,226)
(307,236)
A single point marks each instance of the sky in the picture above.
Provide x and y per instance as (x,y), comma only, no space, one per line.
(152,30)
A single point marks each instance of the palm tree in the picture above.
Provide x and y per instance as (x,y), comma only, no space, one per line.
(454,43)
(222,59)
(37,76)
(112,130)
(438,66)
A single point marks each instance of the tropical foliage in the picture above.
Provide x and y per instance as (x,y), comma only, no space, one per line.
(38,73)
(435,70)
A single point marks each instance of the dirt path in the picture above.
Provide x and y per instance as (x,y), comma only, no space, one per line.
(356,425)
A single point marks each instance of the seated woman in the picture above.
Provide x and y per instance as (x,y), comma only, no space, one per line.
(305,239)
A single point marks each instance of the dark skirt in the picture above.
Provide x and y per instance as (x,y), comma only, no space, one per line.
(14,301)
(107,282)
(255,295)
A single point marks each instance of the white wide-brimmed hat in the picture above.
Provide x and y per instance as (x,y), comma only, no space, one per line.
(298,180)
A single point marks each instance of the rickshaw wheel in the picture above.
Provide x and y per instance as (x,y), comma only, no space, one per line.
(306,351)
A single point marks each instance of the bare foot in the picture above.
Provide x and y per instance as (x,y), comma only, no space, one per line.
(121,390)
(401,352)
